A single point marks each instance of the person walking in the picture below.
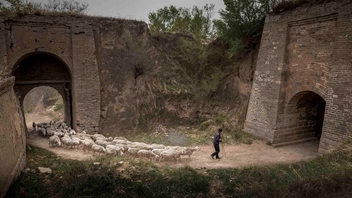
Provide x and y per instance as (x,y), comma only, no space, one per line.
(216,142)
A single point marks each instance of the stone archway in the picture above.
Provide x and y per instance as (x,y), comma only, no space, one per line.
(42,69)
(304,117)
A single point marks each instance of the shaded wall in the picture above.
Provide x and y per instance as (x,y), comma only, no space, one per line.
(12,135)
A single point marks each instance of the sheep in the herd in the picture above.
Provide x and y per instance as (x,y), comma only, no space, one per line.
(103,143)
(75,142)
(72,132)
(101,138)
(123,146)
(95,136)
(158,146)
(59,134)
(133,151)
(97,148)
(141,145)
(120,138)
(158,151)
(148,154)
(170,154)
(83,136)
(54,141)
(87,144)
(118,141)
(66,141)
(109,139)
(49,132)
(113,150)
(189,151)
(174,148)
(45,125)
(76,139)
(42,131)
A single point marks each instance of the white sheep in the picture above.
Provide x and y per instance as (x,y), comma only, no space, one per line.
(103,143)
(189,151)
(66,141)
(170,154)
(158,146)
(120,138)
(54,141)
(133,151)
(87,144)
(59,134)
(95,136)
(123,146)
(148,154)
(118,141)
(72,132)
(141,145)
(113,150)
(98,148)
(50,132)
(158,151)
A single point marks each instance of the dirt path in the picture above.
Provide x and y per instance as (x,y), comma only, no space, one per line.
(236,156)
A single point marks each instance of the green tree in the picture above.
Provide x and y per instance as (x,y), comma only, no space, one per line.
(195,20)
(8,7)
(242,20)
(72,6)
(11,7)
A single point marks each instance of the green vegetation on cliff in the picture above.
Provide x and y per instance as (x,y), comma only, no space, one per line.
(12,8)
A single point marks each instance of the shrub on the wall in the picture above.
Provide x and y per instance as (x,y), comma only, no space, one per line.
(12,8)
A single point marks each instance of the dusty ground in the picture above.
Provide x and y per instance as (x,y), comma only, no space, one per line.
(259,153)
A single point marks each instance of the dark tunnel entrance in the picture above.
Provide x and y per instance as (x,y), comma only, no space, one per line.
(38,70)
(305,116)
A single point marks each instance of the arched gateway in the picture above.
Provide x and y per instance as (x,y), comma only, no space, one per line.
(40,69)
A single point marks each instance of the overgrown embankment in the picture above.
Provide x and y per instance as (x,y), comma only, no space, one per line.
(201,82)
(326,176)
(169,78)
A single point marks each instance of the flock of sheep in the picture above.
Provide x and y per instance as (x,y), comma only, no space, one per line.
(61,135)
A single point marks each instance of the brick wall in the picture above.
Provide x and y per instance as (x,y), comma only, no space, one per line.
(304,60)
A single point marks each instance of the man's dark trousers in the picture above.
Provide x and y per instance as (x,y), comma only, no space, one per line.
(217,151)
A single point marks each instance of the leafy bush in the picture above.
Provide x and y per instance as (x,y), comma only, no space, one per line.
(195,20)
(12,8)
(242,21)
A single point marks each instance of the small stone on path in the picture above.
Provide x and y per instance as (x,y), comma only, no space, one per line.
(96,163)
(45,170)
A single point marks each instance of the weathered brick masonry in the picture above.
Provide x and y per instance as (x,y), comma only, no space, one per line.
(78,56)
(12,135)
(303,76)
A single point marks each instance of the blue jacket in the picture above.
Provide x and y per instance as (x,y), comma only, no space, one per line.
(217,138)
